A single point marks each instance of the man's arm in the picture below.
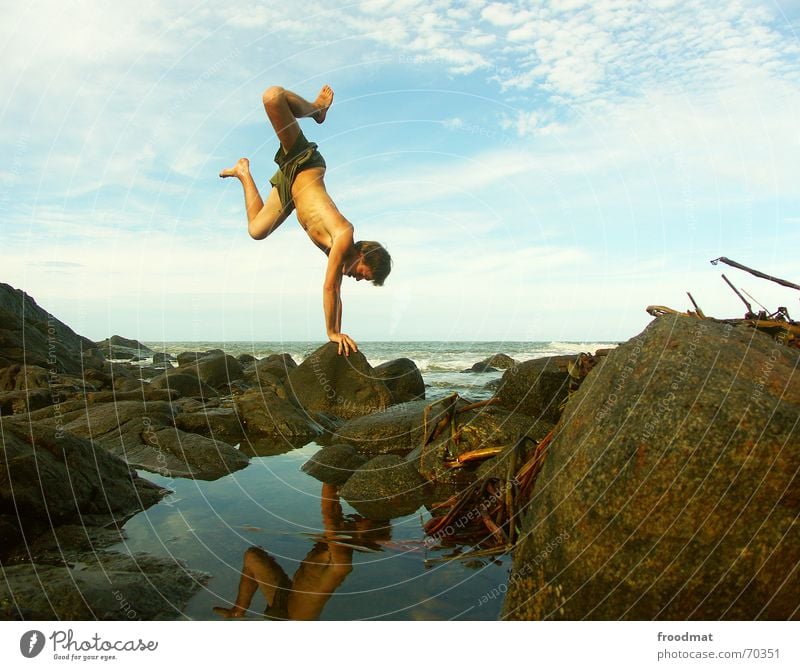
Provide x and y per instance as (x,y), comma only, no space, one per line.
(331,292)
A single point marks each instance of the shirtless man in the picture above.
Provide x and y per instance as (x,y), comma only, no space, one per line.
(299,183)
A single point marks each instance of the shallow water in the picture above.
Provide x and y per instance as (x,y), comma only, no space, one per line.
(272,504)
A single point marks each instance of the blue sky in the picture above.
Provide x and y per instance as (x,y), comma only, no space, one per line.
(539,171)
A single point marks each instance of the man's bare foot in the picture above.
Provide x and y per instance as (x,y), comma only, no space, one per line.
(241,168)
(229,612)
(322,103)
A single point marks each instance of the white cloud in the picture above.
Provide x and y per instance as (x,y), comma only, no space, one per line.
(501,14)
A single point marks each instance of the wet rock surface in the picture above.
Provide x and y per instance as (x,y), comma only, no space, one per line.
(670,489)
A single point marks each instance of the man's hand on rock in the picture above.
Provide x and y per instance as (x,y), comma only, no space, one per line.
(346,343)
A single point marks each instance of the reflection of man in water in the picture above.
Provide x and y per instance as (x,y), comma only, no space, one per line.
(322,571)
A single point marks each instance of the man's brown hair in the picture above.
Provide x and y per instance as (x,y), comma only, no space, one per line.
(377,259)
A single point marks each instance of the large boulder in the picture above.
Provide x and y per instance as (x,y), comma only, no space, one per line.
(670,490)
(386,487)
(31,335)
(273,424)
(403,379)
(345,386)
(536,387)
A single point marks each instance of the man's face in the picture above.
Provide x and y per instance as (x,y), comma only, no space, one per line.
(359,270)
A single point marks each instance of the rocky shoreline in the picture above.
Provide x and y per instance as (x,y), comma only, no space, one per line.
(688,415)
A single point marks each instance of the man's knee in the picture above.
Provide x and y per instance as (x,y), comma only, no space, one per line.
(273,96)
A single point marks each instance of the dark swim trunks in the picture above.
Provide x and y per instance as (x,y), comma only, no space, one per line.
(302,156)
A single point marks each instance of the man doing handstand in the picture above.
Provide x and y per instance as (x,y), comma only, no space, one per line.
(299,184)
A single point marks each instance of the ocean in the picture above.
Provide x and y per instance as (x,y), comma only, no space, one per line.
(441,363)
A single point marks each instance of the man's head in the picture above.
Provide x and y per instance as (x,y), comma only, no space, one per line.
(374,261)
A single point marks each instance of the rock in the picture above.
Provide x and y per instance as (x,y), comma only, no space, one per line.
(176,453)
(246,358)
(160,358)
(121,348)
(386,487)
(396,430)
(271,371)
(219,423)
(143,392)
(125,384)
(272,423)
(191,357)
(31,335)
(500,361)
(345,386)
(22,377)
(481,367)
(670,491)
(98,585)
(143,434)
(49,477)
(186,384)
(334,464)
(402,378)
(497,466)
(217,370)
(486,428)
(15,402)
(100,380)
(119,370)
(536,387)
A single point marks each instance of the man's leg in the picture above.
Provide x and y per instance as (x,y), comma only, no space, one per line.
(283,107)
(262,218)
(260,570)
